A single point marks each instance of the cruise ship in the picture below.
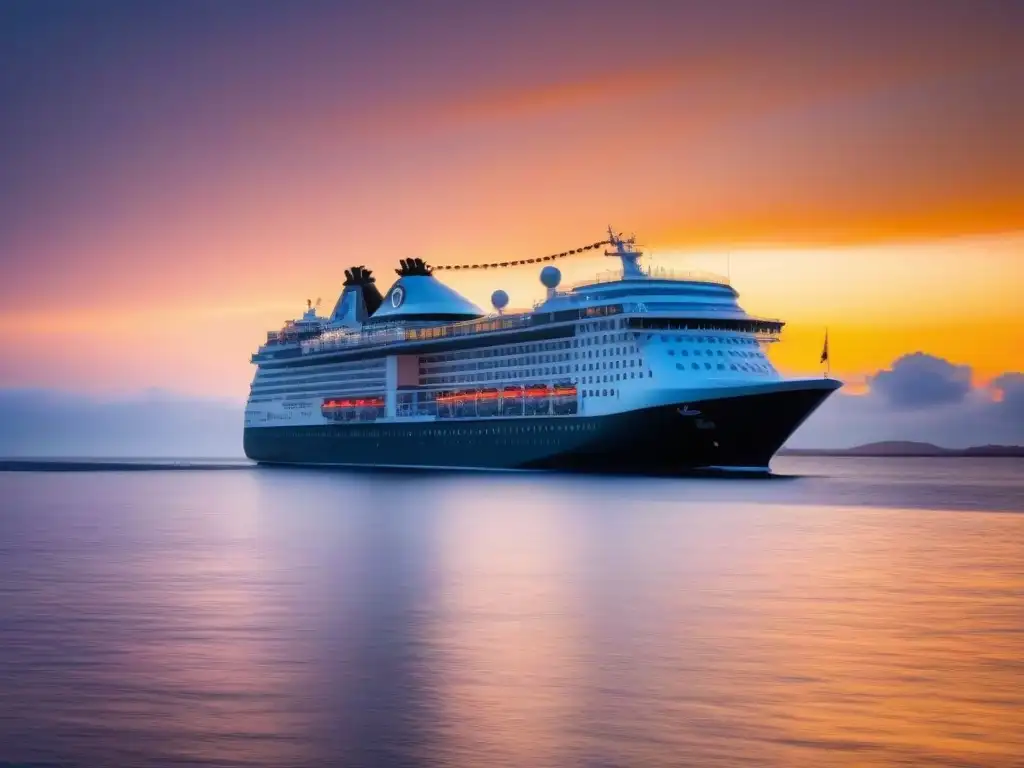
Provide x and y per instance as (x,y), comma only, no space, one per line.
(636,371)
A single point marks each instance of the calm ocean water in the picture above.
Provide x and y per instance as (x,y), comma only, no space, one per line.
(857,612)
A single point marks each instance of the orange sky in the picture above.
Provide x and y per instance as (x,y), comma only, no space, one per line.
(954,299)
(164,210)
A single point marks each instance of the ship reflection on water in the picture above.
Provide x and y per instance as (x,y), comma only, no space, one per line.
(312,618)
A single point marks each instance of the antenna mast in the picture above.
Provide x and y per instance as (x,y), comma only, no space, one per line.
(626,251)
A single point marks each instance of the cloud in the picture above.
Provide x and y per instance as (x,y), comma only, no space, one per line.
(1009,390)
(922,381)
(921,398)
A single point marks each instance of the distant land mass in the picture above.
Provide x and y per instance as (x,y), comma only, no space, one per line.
(907,448)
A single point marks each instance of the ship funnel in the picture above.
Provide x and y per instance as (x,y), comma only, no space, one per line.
(359,298)
(414,268)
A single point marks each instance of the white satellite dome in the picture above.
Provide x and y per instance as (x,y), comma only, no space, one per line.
(499,300)
(550,277)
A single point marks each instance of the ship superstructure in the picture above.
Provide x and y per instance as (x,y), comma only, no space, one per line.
(635,371)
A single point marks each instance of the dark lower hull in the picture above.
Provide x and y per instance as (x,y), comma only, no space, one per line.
(740,432)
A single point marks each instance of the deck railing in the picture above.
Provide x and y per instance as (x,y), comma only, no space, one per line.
(333,340)
(654,273)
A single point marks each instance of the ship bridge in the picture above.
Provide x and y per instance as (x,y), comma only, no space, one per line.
(697,297)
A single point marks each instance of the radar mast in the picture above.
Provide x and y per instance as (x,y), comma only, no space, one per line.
(626,251)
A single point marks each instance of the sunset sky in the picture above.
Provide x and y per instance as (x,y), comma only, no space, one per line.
(178,178)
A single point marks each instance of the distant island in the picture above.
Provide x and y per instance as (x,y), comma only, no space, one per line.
(907,448)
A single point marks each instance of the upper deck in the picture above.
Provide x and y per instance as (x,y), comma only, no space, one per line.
(684,300)
(498,329)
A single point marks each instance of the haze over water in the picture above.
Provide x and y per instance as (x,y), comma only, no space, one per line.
(857,612)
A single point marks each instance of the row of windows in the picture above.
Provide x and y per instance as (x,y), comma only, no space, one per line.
(276,381)
(506,407)
(606,338)
(486,365)
(285,373)
(512,349)
(735,340)
(610,365)
(383,432)
(431,376)
(607,352)
(601,325)
(720,353)
(529,373)
(498,376)
(366,413)
(324,390)
(356,380)
(344,390)
(750,368)
(721,326)
(615,377)
(446,368)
